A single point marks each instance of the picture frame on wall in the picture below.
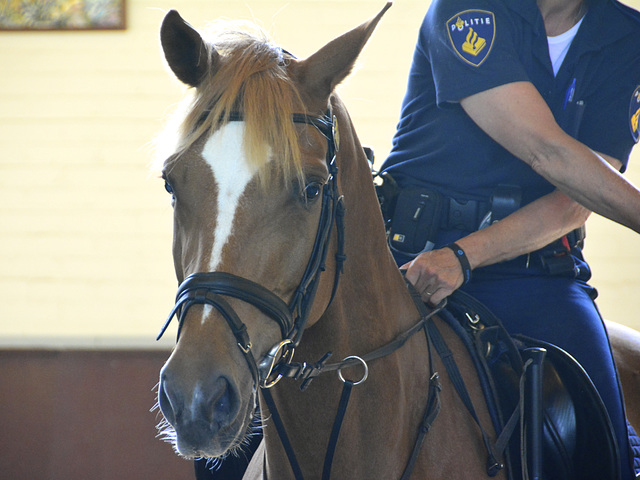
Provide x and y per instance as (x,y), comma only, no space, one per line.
(40,15)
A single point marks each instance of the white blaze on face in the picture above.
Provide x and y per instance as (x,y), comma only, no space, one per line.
(225,154)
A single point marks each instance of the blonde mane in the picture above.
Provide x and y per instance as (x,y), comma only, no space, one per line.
(249,77)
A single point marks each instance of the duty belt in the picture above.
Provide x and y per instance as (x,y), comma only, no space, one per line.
(467,215)
(556,257)
(415,215)
(472,215)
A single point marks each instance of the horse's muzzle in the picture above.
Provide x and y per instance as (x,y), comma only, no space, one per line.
(203,419)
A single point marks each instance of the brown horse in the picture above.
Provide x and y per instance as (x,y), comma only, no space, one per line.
(626,349)
(251,177)
(265,159)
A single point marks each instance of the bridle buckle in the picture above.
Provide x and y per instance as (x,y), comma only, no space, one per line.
(280,353)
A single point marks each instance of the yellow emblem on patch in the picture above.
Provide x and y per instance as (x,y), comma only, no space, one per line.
(474,44)
(472,33)
(634,114)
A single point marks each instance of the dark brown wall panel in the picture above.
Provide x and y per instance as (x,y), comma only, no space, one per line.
(83,415)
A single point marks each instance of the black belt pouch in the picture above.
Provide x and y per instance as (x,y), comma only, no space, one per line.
(416,220)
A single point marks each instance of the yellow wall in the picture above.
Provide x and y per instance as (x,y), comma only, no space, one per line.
(85,230)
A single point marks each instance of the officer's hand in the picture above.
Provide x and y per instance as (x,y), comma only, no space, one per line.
(435,274)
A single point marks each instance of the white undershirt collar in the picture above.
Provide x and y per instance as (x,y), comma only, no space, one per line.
(559,46)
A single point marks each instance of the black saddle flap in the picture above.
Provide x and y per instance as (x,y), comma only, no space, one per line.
(579,443)
(576,425)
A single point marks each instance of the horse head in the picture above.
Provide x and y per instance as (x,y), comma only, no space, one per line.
(253,181)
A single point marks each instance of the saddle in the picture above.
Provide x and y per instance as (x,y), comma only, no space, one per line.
(578,442)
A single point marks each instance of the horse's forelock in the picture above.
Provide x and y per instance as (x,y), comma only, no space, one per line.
(250,76)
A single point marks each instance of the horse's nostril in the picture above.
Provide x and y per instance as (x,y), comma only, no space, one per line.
(218,406)
(222,407)
(165,402)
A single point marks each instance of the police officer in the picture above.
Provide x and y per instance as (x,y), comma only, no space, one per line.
(517,116)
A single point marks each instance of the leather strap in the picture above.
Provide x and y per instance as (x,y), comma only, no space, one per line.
(335,431)
(493,465)
(282,433)
(430,414)
(309,373)
(205,297)
(227,284)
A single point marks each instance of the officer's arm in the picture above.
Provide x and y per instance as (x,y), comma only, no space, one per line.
(436,274)
(517,117)
(528,229)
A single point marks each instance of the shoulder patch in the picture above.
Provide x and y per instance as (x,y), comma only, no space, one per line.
(634,114)
(471,33)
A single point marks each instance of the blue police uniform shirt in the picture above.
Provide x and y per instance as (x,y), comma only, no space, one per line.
(468,46)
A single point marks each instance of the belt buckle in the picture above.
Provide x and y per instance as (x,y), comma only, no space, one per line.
(463,215)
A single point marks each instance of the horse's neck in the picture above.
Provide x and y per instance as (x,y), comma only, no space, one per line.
(371,308)
(372,305)
(377,435)
(373,291)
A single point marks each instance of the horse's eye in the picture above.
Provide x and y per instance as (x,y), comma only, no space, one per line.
(312,191)
(168,187)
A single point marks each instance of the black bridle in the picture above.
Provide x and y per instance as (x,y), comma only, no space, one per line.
(211,288)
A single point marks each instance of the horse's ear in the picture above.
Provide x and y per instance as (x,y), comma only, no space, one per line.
(326,68)
(185,50)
